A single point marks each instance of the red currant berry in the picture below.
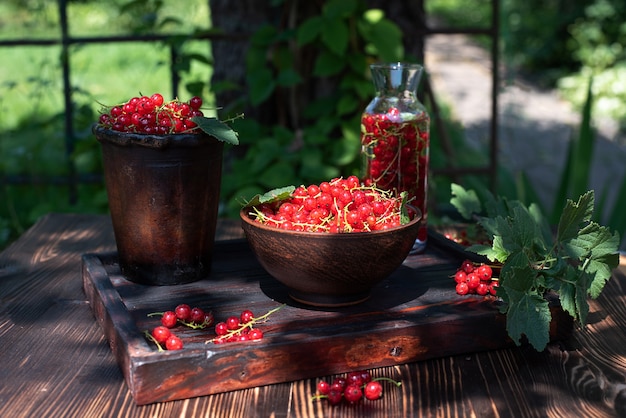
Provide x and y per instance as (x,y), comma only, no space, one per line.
(482,289)
(221,328)
(467,266)
(323,387)
(355,378)
(157,99)
(173,343)
(255,334)
(232,322)
(208,319)
(462,288)
(169,319)
(493,286)
(183,312)
(373,390)
(484,272)
(460,276)
(246,316)
(353,393)
(195,102)
(161,334)
(335,397)
(197,316)
(473,281)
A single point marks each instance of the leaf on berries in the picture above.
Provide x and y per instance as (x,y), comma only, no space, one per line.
(274,195)
(404,213)
(217,129)
(466,202)
(529,315)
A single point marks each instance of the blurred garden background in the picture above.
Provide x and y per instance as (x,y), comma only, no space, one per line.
(299,72)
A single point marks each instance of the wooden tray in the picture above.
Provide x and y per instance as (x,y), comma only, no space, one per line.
(413,315)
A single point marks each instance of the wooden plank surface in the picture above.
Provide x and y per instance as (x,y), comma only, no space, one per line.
(56,361)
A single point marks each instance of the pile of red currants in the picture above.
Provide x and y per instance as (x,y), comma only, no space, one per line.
(352,388)
(475,278)
(152,115)
(338,206)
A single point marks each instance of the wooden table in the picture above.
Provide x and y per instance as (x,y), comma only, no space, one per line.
(57,363)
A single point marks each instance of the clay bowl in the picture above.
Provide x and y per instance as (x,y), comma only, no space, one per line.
(329,270)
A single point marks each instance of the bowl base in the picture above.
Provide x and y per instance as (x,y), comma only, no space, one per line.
(328,301)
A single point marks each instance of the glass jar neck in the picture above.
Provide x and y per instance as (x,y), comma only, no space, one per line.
(397,79)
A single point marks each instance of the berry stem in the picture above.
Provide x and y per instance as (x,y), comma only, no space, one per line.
(386,379)
(151,338)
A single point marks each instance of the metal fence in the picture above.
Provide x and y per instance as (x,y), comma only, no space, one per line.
(73,179)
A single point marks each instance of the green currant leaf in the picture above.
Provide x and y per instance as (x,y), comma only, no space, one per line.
(517,275)
(529,315)
(217,129)
(575,214)
(567,291)
(466,202)
(274,195)
(582,306)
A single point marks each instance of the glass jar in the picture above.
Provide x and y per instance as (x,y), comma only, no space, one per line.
(395,130)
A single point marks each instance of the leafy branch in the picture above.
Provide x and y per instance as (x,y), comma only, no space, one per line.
(575,262)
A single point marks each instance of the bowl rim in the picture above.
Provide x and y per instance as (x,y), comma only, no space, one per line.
(243,214)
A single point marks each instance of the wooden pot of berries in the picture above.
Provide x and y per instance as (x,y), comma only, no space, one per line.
(162,170)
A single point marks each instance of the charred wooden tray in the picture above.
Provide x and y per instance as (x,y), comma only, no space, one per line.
(413,315)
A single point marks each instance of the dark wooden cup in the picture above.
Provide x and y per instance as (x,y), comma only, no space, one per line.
(163,195)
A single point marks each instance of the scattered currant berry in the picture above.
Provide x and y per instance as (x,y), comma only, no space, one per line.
(473,281)
(174,343)
(323,387)
(169,319)
(339,383)
(353,393)
(335,397)
(482,289)
(246,316)
(161,334)
(221,328)
(462,288)
(484,272)
(232,322)
(197,315)
(255,334)
(467,266)
(183,312)
(373,390)
(460,276)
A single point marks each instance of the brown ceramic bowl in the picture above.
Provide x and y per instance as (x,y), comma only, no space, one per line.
(324,269)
